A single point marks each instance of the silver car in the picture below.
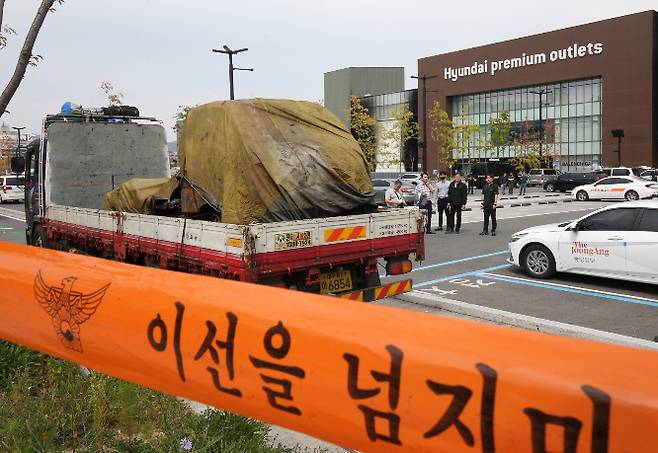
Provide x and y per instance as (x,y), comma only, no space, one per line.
(407,189)
(538,176)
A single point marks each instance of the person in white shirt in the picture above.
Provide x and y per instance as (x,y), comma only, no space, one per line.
(442,199)
(393,197)
(424,190)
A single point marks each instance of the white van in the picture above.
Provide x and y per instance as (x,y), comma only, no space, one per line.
(12,188)
(619,171)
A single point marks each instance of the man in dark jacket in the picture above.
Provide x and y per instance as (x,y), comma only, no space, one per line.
(489,205)
(457,196)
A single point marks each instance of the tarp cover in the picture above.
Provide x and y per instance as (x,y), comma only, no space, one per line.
(275,160)
(139,195)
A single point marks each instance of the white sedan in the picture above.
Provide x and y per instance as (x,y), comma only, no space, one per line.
(616,187)
(619,241)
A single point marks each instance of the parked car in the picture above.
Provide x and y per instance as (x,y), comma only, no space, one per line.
(538,176)
(619,171)
(411,177)
(613,187)
(649,175)
(567,181)
(380,187)
(618,241)
(12,188)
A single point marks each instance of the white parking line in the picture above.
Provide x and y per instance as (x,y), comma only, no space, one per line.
(619,296)
(537,214)
(11,217)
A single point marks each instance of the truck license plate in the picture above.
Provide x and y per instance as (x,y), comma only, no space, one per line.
(334,282)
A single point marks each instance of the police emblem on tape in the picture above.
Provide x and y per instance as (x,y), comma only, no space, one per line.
(67,308)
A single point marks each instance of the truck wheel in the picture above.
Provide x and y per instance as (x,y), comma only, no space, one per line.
(631,195)
(538,261)
(39,237)
(550,187)
(582,196)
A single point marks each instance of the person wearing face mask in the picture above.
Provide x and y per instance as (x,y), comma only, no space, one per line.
(457,197)
(442,199)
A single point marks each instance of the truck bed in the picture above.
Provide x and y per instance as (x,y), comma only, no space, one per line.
(244,252)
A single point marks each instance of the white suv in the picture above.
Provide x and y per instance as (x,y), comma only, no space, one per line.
(12,188)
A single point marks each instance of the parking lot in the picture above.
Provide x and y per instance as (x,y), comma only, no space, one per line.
(467,273)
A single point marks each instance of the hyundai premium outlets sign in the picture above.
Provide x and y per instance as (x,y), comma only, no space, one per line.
(492,67)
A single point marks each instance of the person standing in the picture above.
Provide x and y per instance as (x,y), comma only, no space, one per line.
(471,183)
(457,197)
(523,182)
(502,183)
(511,182)
(393,197)
(442,199)
(425,191)
(489,205)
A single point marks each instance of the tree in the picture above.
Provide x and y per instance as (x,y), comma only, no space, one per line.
(7,144)
(465,136)
(441,131)
(113,97)
(500,128)
(180,117)
(26,57)
(404,131)
(526,146)
(362,126)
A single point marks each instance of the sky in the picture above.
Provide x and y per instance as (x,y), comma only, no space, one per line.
(158,53)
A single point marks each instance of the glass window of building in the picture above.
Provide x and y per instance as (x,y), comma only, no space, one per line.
(571,120)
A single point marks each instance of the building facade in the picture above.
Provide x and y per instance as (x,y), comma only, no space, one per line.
(341,84)
(386,109)
(572,87)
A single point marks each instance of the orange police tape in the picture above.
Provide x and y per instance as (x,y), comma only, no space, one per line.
(366,377)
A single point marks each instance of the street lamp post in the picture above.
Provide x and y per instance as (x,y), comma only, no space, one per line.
(18,132)
(231,68)
(618,134)
(424,78)
(541,93)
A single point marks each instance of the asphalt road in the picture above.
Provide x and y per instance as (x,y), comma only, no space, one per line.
(472,269)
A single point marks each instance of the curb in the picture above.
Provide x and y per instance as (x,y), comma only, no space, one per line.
(523,321)
(530,203)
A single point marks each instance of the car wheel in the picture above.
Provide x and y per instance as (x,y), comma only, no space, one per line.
(631,195)
(582,196)
(550,187)
(538,261)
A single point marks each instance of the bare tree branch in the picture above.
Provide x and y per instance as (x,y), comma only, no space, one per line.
(2,11)
(26,53)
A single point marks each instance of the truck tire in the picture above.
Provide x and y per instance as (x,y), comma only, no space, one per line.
(39,237)
(538,261)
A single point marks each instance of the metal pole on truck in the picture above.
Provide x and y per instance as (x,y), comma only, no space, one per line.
(231,68)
